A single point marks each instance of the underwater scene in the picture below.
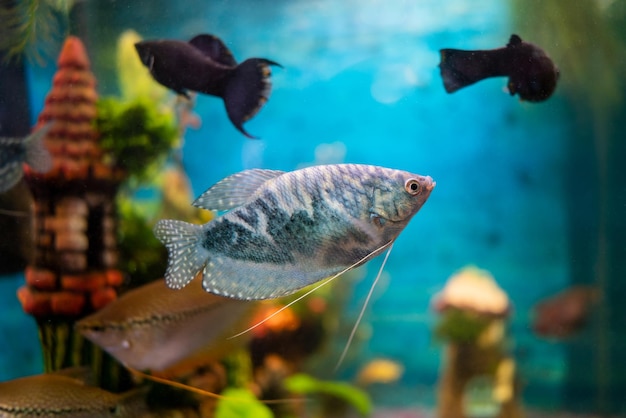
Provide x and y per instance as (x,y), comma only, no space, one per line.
(313,208)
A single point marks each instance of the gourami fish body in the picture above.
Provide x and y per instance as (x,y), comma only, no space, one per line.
(154,327)
(287,230)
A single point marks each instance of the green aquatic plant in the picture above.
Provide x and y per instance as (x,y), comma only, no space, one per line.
(136,135)
(241,403)
(34,27)
(140,253)
(304,384)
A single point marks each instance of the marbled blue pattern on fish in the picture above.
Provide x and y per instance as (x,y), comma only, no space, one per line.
(293,229)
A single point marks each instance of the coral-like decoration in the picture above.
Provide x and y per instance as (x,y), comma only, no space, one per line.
(74,269)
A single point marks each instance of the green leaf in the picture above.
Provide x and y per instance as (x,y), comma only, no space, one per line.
(241,403)
(305,384)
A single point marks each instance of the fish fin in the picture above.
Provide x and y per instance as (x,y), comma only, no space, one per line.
(453,77)
(234,190)
(16,213)
(82,374)
(186,257)
(360,317)
(202,392)
(236,279)
(247,90)
(514,40)
(37,155)
(315,288)
(10,174)
(214,48)
(461,68)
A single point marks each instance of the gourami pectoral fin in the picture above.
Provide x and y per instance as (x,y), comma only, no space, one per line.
(234,190)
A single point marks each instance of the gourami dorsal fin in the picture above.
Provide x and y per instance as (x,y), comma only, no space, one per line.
(235,190)
(214,48)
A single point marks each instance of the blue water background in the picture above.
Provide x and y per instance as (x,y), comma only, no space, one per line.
(360,84)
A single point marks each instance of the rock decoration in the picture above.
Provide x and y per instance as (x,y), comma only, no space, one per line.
(474,290)
(478,375)
(73,271)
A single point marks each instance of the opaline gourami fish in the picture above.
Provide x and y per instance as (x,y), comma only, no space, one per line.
(287,230)
(205,65)
(16,151)
(57,395)
(532,74)
(154,327)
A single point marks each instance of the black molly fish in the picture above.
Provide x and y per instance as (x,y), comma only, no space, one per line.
(532,74)
(205,65)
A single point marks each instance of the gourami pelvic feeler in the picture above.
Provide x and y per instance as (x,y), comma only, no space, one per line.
(287,230)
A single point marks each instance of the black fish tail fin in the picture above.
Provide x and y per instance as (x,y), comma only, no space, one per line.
(247,91)
(461,68)
(186,256)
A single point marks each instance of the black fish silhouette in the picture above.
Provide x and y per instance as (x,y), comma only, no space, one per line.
(532,74)
(205,65)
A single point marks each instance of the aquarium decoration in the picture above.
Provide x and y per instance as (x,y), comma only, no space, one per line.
(74,268)
(478,378)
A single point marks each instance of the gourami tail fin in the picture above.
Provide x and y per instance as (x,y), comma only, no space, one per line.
(186,256)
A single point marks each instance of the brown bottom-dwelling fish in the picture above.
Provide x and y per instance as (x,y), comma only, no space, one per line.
(205,65)
(287,230)
(532,74)
(67,394)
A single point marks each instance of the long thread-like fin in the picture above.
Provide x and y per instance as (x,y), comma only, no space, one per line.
(16,213)
(203,392)
(324,283)
(360,317)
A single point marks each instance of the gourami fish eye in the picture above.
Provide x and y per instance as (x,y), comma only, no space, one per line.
(413,187)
